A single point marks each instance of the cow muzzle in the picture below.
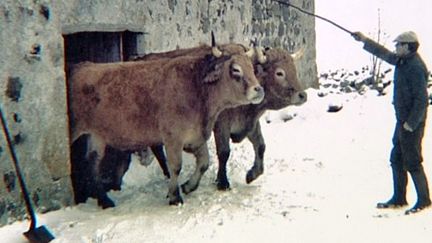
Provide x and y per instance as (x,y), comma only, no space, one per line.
(299,98)
(255,94)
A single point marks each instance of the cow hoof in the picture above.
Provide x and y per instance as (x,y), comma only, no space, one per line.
(223,185)
(176,201)
(175,197)
(187,188)
(106,203)
(252,175)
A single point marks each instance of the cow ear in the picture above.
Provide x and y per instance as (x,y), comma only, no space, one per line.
(214,75)
(211,68)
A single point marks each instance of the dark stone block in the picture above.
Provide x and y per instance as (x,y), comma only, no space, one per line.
(9,181)
(16,118)
(45,11)
(13,89)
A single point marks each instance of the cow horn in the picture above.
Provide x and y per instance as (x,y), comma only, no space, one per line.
(254,42)
(215,51)
(250,53)
(298,54)
(260,55)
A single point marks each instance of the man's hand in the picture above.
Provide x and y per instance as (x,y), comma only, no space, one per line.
(407,127)
(358,36)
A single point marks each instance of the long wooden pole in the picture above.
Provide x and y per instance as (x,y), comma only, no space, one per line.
(312,14)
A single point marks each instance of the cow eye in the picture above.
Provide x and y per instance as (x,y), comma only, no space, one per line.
(236,71)
(280,73)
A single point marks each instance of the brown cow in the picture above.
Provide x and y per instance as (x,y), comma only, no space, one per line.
(282,88)
(174,102)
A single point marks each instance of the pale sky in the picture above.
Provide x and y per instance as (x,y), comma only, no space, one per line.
(337,49)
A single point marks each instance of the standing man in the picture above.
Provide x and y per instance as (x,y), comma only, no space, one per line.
(410,100)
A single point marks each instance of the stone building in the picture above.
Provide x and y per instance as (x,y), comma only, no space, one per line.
(39,39)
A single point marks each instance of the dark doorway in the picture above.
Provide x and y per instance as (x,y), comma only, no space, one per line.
(99,47)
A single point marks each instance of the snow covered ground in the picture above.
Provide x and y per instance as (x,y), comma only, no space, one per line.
(324,174)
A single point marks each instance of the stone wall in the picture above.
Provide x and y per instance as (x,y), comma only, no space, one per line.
(33,85)
(33,100)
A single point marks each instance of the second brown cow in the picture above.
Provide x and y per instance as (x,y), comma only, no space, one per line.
(282,88)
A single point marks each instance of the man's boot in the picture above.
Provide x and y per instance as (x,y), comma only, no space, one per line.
(400,180)
(422,189)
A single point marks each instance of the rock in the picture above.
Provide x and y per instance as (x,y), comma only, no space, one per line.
(333,107)
(284,116)
(322,94)
(327,85)
(346,89)
(345,83)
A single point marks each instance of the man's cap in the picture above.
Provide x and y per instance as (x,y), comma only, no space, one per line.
(407,37)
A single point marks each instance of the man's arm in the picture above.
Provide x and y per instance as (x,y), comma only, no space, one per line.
(376,49)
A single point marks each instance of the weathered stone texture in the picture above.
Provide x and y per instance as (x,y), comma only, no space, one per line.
(33,100)
(33,85)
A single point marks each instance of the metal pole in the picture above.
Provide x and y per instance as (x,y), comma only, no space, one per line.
(18,172)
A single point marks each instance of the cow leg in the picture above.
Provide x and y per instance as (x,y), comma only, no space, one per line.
(222,139)
(174,154)
(257,140)
(95,154)
(202,163)
(120,168)
(160,156)
(113,167)
(81,180)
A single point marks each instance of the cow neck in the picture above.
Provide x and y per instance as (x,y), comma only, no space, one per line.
(262,76)
(211,107)
(209,96)
(257,110)
(254,111)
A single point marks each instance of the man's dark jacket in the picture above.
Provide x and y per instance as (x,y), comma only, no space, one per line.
(410,97)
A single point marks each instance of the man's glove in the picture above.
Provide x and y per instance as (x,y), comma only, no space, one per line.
(407,127)
(358,36)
